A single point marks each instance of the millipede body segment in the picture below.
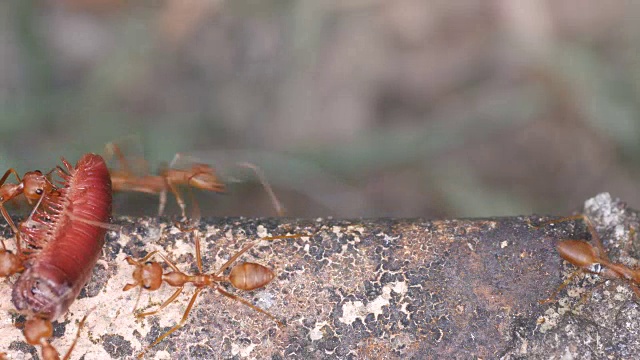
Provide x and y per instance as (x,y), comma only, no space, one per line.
(66,232)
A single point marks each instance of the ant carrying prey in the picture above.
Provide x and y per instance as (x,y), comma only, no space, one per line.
(592,259)
(32,185)
(65,233)
(246,276)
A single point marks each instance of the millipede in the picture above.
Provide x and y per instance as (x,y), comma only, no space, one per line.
(66,234)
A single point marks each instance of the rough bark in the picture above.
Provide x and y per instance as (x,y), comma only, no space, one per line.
(377,288)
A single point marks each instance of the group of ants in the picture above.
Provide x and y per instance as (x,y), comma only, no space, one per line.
(150,275)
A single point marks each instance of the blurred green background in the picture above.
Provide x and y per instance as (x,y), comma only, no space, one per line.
(352,108)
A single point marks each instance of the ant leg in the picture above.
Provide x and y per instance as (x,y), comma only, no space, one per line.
(234,257)
(135,305)
(193,229)
(237,298)
(148,256)
(175,327)
(4,211)
(175,160)
(179,199)
(280,210)
(588,293)
(174,190)
(139,262)
(136,140)
(198,254)
(601,252)
(6,175)
(195,215)
(184,226)
(163,202)
(564,284)
(13,226)
(164,304)
(169,262)
(100,224)
(29,221)
(112,149)
(7,217)
(73,344)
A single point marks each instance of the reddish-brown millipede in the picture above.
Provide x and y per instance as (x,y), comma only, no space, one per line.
(67,229)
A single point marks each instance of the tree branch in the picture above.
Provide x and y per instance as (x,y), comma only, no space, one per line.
(377,288)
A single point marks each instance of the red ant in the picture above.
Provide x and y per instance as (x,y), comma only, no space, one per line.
(199,175)
(33,185)
(37,330)
(246,276)
(592,259)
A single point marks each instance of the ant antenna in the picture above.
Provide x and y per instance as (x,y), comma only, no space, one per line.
(280,210)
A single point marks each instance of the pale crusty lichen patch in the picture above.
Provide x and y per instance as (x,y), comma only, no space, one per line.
(354,310)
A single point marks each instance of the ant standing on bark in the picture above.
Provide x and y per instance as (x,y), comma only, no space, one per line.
(592,259)
(246,276)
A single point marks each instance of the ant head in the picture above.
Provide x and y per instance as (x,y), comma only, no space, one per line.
(151,275)
(9,263)
(204,178)
(36,184)
(37,328)
(148,275)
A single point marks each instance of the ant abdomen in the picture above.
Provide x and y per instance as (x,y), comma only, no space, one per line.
(577,252)
(250,276)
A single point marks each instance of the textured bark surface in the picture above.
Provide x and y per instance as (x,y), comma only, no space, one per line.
(376,288)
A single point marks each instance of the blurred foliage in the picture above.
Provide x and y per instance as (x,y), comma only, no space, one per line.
(352,108)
